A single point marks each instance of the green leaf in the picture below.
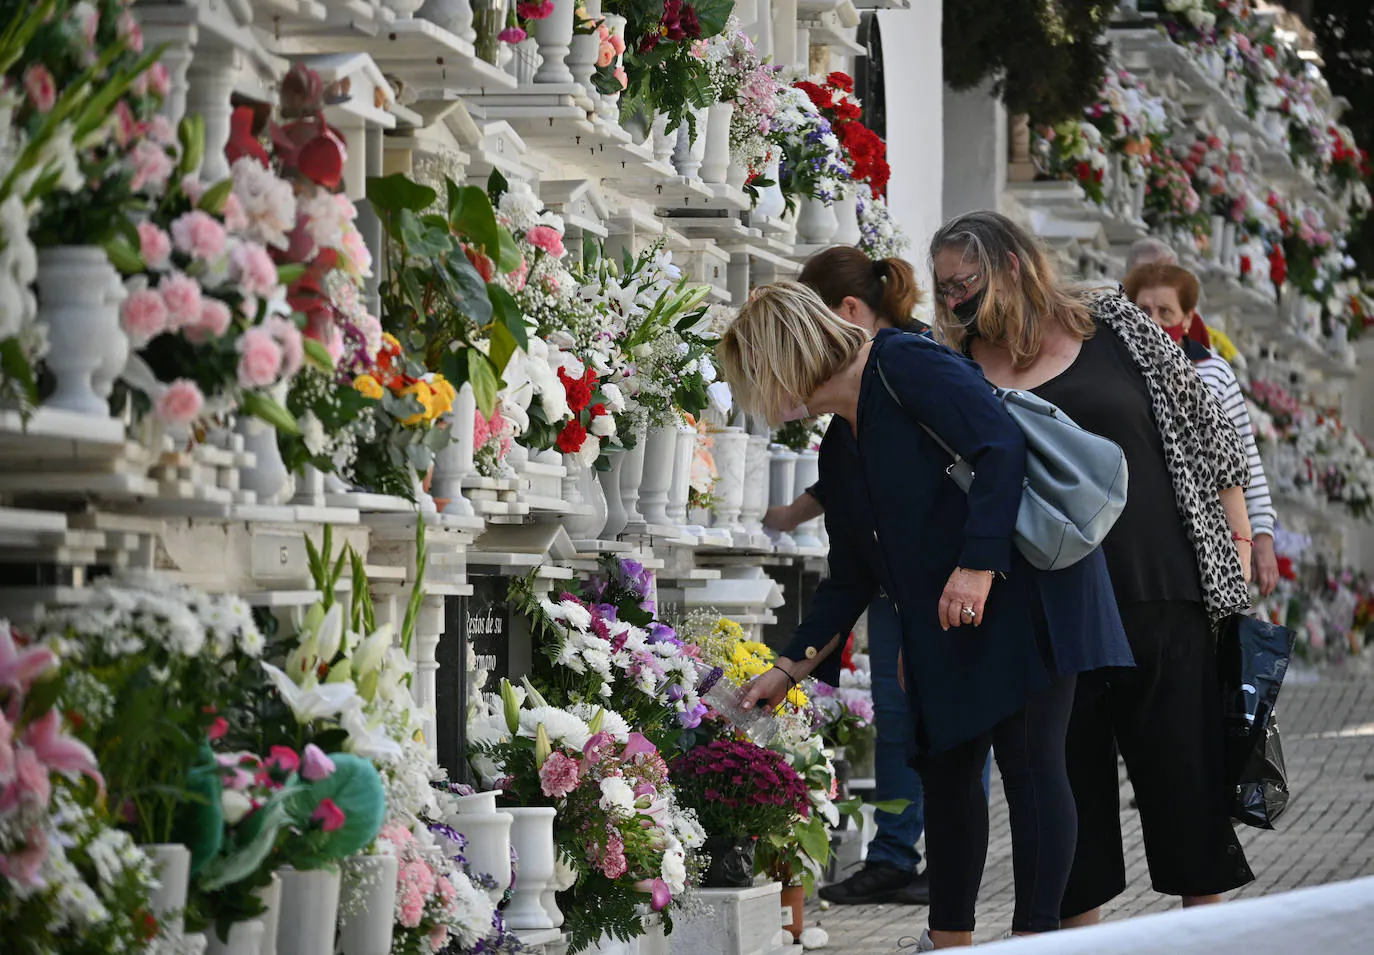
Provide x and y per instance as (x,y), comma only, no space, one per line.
(496,187)
(124,256)
(503,346)
(506,311)
(289,272)
(470,213)
(395,192)
(814,839)
(466,288)
(260,405)
(317,354)
(510,255)
(421,239)
(191,133)
(484,381)
(893,806)
(215,197)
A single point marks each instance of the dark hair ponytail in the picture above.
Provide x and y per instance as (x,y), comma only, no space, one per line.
(888,286)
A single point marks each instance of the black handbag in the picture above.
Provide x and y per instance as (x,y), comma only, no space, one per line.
(1252,658)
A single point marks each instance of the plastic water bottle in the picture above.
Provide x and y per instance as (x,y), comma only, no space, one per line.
(727,699)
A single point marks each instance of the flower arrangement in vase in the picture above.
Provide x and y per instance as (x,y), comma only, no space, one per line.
(72,882)
(865,153)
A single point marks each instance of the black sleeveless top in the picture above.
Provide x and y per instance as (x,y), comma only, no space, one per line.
(1148,552)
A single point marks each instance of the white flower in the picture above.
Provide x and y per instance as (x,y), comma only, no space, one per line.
(269,203)
(235,806)
(577,616)
(603,426)
(674,869)
(322,701)
(617,796)
(561,726)
(312,433)
(615,401)
(708,370)
(720,396)
(366,738)
(611,721)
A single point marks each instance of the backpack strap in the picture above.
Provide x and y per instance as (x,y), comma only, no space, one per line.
(878,363)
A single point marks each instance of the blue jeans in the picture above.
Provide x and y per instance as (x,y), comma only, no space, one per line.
(898,833)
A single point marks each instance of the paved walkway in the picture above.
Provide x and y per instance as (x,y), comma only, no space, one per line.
(1326,836)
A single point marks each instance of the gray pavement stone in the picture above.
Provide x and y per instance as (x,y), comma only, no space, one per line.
(1327,835)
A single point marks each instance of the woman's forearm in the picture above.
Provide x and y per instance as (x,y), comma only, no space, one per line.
(1233,502)
(801,669)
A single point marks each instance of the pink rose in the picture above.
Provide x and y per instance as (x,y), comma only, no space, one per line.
(151,165)
(259,358)
(283,759)
(624,80)
(418,874)
(328,814)
(159,80)
(288,336)
(130,32)
(547,239)
(181,294)
(315,765)
(200,235)
(41,87)
(605,55)
(154,245)
(257,273)
(618,42)
(144,316)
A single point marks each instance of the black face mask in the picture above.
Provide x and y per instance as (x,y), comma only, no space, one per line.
(967,311)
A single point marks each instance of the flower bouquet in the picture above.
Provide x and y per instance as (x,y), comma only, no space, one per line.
(865,153)
(813,161)
(71,881)
(619,825)
(1073,150)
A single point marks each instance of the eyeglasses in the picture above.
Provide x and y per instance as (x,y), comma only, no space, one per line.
(958,288)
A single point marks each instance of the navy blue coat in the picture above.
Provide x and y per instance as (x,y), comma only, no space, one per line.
(898,523)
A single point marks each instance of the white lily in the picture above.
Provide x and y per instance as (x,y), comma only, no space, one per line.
(321,701)
(372,651)
(329,636)
(367,740)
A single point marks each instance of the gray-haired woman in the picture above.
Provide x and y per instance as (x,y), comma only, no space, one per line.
(1178,556)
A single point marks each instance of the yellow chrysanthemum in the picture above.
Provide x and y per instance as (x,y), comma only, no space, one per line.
(369,387)
(424,394)
(1222,344)
(444,394)
(390,340)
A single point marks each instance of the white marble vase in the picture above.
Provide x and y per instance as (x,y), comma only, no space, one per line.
(732,446)
(683,454)
(310,906)
(531,836)
(816,222)
(715,163)
(616,518)
(846,220)
(172,862)
(367,913)
(81,317)
(488,844)
(771,202)
(455,16)
(808,472)
(554,34)
(580,485)
(632,477)
(454,462)
(660,452)
(245,938)
(691,149)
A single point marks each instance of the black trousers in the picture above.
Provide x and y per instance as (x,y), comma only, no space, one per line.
(1029,747)
(1164,716)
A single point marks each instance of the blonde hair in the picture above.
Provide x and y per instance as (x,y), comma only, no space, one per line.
(784,344)
(1017,302)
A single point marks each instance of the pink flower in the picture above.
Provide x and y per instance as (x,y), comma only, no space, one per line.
(481,430)
(315,765)
(288,336)
(547,239)
(328,815)
(235,219)
(59,752)
(438,938)
(214,321)
(180,404)
(24,864)
(220,727)
(159,80)
(661,895)
(6,749)
(282,759)
(259,358)
(198,234)
(613,862)
(154,245)
(605,55)
(41,87)
(418,874)
(193,188)
(623,79)
(558,776)
(151,165)
(19,665)
(130,32)
(412,906)
(526,10)
(618,42)
(87,20)
(637,744)
(396,834)
(256,271)
(125,125)
(144,316)
(512,35)
(181,294)
(357,253)
(161,130)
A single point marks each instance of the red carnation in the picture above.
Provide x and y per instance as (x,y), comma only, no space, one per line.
(598,410)
(578,392)
(841,80)
(1278,267)
(819,95)
(571,438)
(1245,265)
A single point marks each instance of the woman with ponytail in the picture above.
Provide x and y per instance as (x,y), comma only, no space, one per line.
(874,295)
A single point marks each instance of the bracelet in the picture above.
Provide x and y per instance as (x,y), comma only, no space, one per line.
(1244,540)
(790,678)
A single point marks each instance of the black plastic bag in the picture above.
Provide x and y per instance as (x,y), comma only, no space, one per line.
(1252,658)
(1262,793)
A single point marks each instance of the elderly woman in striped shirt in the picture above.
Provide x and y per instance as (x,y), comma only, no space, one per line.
(1169,294)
